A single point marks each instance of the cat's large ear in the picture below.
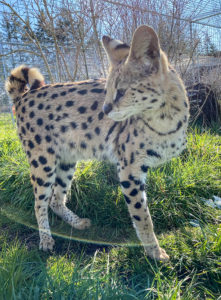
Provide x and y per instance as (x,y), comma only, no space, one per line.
(145,45)
(116,50)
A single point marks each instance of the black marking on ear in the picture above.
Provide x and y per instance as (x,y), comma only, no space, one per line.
(153,53)
(122,46)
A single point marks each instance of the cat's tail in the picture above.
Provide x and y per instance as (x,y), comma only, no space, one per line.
(16,84)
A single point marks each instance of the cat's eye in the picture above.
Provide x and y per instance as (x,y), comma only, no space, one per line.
(120,94)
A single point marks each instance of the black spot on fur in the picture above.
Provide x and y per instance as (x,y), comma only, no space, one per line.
(48,138)
(97,130)
(40,106)
(88,136)
(32,114)
(42,160)
(59,108)
(72,145)
(63,93)
(151,152)
(60,182)
(50,150)
(94,105)
(142,187)
(40,122)
(125,162)
(50,174)
(64,128)
(65,167)
(135,132)
(175,108)
(69,103)
(38,139)
(98,91)
(132,158)
(73,125)
(137,205)
(48,107)
(82,92)
(128,138)
(100,115)
(59,118)
(53,96)
(127,199)
(72,90)
(31,144)
(47,169)
(39,181)
(83,145)
(34,163)
(58,85)
(51,116)
(134,192)
(144,168)
(41,197)
(28,153)
(82,109)
(23,130)
(125,184)
(90,119)
(84,125)
(110,131)
(179,125)
(137,218)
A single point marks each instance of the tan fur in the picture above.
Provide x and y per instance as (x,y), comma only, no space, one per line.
(34,74)
(142,124)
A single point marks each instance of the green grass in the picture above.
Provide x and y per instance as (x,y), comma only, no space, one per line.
(106,261)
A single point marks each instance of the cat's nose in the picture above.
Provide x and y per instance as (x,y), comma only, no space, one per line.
(107,108)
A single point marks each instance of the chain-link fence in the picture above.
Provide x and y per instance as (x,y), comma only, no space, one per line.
(71,50)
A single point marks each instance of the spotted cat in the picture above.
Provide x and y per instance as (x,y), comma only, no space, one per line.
(137,119)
